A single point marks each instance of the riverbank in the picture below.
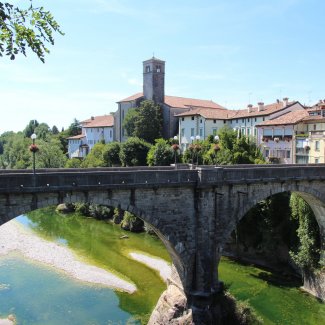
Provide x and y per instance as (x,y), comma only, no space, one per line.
(155,263)
(10,320)
(14,238)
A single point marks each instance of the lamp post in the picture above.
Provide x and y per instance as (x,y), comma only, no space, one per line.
(192,148)
(216,148)
(175,147)
(197,149)
(33,148)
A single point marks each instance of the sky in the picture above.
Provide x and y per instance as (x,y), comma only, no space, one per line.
(233,52)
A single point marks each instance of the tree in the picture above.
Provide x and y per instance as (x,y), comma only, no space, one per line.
(111,154)
(160,154)
(149,123)
(42,131)
(144,122)
(129,121)
(50,154)
(134,152)
(55,130)
(20,28)
(307,254)
(30,128)
(95,157)
(74,128)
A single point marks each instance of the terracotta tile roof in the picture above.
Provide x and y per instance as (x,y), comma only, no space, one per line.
(133,97)
(76,137)
(209,113)
(316,118)
(182,102)
(288,118)
(99,121)
(268,109)
(179,102)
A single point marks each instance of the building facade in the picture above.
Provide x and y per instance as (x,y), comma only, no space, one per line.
(94,130)
(154,89)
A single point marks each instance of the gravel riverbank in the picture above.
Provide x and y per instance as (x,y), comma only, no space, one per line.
(155,263)
(14,238)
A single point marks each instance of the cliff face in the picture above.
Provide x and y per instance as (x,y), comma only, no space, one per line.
(171,308)
(314,283)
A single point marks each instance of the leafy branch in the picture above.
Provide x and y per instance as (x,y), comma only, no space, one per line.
(26,28)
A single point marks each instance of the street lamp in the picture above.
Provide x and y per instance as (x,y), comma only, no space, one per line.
(197,149)
(216,148)
(33,148)
(175,147)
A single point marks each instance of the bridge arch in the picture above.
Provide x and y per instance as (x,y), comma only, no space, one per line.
(248,198)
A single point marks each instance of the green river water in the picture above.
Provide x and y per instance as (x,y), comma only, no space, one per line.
(36,294)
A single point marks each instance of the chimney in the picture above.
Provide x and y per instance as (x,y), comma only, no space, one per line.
(249,108)
(285,101)
(260,106)
(278,101)
(92,118)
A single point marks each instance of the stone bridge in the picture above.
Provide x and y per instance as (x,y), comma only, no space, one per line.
(193,211)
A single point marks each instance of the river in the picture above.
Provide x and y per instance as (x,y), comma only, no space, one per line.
(38,294)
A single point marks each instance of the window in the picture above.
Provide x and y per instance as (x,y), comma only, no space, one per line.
(224,121)
(192,118)
(243,131)
(192,132)
(255,119)
(201,121)
(255,132)
(214,121)
(201,132)
(242,120)
(214,131)
(182,118)
(263,118)
(267,152)
(110,133)
(158,68)
(288,153)
(237,121)
(248,120)
(316,160)
(148,68)
(182,132)
(314,127)
(316,145)
(248,132)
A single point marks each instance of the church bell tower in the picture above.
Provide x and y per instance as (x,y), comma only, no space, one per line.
(154,80)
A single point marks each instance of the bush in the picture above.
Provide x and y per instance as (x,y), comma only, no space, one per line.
(134,152)
(131,222)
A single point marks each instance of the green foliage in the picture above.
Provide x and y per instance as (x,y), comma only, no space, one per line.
(196,152)
(148,125)
(129,121)
(237,150)
(30,128)
(95,157)
(73,163)
(55,130)
(131,222)
(266,228)
(15,152)
(134,152)
(50,154)
(144,122)
(74,128)
(42,131)
(99,212)
(21,28)
(111,154)
(82,208)
(160,154)
(307,254)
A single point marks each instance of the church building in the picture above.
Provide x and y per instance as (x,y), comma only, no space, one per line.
(154,89)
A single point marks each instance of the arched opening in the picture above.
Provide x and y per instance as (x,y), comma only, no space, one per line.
(83,235)
(266,232)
